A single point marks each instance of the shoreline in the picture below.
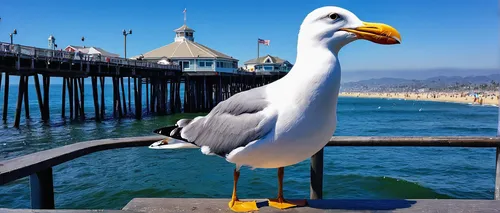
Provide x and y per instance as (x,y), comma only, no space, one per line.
(489,99)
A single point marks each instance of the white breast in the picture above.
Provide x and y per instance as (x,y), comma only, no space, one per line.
(305,122)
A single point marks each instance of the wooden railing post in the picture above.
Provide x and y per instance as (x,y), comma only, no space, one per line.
(497,175)
(317,175)
(42,189)
(497,172)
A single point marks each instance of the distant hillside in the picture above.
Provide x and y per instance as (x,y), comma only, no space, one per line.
(438,83)
(353,76)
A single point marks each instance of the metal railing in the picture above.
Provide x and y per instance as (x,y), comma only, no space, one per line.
(61,55)
(38,166)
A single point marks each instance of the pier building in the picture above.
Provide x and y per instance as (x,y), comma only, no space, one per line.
(268,63)
(193,56)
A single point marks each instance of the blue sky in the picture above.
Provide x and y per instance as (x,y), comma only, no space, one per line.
(436,33)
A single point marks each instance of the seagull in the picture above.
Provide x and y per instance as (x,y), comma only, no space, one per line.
(289,120)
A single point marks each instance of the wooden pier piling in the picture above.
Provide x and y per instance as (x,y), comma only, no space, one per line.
(46,95)
(123,97)
(70,98)
(81,104)
(20,96)
(63,105)
(129,100)
(6,97)
(26,100)
(103,109)
(82,100)
(147,95)
(96,98)
(138,113)
(76,103)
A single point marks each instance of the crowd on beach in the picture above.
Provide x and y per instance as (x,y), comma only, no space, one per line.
(483,98)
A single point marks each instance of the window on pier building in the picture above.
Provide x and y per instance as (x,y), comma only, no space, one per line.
(226,64)
(221,64)
(268,68)
(185,64)
(205,63)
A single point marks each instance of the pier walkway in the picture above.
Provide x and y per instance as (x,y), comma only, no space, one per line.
(154,87)
(201,205)
(38,166)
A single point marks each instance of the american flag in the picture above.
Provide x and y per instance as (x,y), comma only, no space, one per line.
(265,42)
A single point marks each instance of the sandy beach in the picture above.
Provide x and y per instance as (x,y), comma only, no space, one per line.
(490,98)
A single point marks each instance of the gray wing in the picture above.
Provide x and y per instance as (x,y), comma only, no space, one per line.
(233,123)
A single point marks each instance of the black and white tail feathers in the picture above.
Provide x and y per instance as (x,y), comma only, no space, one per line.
(175,139)
(174,131)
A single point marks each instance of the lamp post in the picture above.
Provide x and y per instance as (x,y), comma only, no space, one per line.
(83,39)
(125,33)
(12,36)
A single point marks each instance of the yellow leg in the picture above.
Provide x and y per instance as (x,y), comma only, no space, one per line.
(281,202)
(240,206)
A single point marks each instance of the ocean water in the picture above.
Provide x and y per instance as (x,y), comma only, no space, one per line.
(110,179)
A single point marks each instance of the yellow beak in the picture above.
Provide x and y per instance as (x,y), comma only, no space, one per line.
(376,32)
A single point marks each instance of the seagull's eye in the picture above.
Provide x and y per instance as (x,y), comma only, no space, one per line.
(333,16)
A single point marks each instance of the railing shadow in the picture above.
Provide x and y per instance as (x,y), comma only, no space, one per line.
(348,204)
(354,204)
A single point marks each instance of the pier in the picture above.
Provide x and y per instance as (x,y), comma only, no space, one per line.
(155,88)
(38,166)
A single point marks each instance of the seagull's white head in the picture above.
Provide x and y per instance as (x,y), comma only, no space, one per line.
(334,27)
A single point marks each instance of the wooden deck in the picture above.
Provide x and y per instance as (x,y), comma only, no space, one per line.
(173,205)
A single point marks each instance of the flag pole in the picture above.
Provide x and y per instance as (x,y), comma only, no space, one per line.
(258,50)
(185,11)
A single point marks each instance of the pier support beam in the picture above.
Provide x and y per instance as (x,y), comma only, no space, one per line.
(125,111)
(69,85)
(171,105)
(42,190)
(46,86)
(129,100)
(103,109)
(63,105)
(20,97)
(6,97)
(138,99)
(115,106)
(26,100)
(96,98)
(147,94)
(178,95)
(82,101)
(75,97)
